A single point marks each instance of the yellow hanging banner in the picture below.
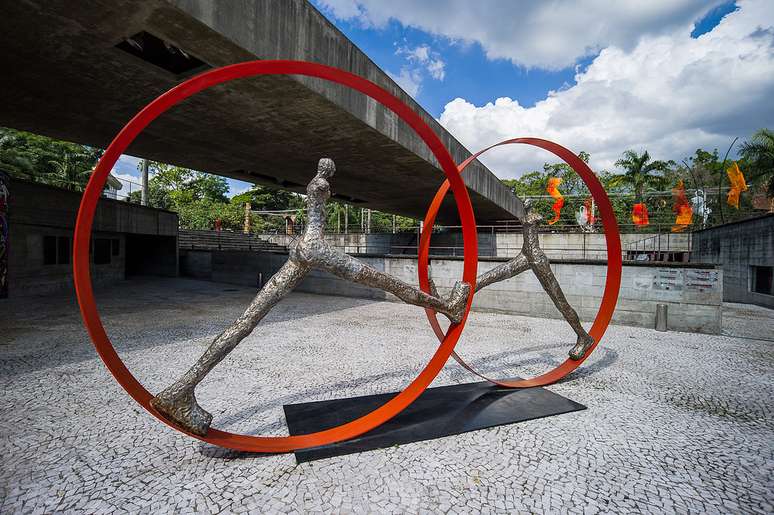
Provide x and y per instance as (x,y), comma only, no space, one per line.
(738,184)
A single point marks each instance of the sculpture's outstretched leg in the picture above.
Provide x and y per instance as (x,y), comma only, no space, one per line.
(347,267)
(533,257)
(541,267)
(510,268)
(178,401)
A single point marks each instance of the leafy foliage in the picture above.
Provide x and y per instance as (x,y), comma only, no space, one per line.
(41,159)
(200,198)
(759,154)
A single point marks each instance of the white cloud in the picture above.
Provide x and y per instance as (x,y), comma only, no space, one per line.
(436,69)
(422,61)
(127,164)
(236,187)
(409,79)
(425,58)
(550,35)
(669,94)
(125,177)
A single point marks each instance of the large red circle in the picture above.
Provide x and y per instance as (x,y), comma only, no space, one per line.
(614,261)
(179,93)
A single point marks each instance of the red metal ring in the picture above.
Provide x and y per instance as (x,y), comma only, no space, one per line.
(614,262)
(179,93)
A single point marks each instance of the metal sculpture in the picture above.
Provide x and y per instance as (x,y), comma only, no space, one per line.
(612,281)
(4,233)
(311,253)
(533,258)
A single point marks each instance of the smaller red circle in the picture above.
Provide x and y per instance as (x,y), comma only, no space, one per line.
(614,260)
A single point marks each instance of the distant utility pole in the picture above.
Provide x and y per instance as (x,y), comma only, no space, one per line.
(346,218)
(144,191)
(248,208)
(368,224)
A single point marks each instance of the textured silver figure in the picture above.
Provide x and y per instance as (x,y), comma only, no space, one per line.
(178,401)
(533,257)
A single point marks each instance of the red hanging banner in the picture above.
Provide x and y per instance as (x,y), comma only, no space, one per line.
(640,214)
(589,205)
(681,207)
(553,189)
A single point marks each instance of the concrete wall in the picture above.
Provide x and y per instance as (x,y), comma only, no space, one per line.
(28,275)
(736,247)
(693,294)
(555,245)
(442,243)
(37,211)
(591,245)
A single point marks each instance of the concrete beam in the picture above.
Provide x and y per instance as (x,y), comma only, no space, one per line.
(66,78)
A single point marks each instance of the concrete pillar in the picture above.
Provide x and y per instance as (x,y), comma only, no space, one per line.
(144,191)
(248,208)
(662,314)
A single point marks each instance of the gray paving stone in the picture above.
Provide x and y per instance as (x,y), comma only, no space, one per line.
(676,422)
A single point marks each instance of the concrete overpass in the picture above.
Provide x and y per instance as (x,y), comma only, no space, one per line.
(79,70)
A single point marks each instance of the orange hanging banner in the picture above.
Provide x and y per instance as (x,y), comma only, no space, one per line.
(589,205)
(738,184)
(640,214)
(681,207)
(553,189)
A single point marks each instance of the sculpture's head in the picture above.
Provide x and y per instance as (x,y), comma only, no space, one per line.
(326,168)
(531,214)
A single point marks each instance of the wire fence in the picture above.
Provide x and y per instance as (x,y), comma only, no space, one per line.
(574,236)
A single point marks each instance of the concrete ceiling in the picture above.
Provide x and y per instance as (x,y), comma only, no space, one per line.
(63,76)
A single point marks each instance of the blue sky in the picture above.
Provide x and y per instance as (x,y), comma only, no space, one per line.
(668,76)
(469,73)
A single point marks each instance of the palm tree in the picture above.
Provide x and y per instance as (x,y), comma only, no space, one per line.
(68,174)
(759,152)
(640,172)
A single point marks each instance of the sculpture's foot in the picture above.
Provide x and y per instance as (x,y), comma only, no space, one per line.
(580,348)
(457,301)
(179,405)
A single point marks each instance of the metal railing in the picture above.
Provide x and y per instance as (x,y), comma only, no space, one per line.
(666,247)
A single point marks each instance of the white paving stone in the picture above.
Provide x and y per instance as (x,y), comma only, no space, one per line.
(676,422)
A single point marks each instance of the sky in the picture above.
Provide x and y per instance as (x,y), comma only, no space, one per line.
(667,76)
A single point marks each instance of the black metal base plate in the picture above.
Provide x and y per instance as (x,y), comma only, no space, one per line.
(438,412)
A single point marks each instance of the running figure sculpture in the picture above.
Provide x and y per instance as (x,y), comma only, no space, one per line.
(533,257)
(178,401)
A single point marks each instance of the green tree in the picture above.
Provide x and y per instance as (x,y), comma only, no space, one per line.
(759,154)
(263,198)
(68,174)
(38,158)
(640,172)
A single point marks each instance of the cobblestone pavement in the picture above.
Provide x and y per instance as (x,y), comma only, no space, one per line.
(676,422)
(748,321)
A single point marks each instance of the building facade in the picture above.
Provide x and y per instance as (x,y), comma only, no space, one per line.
(127,239)
(745,250)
